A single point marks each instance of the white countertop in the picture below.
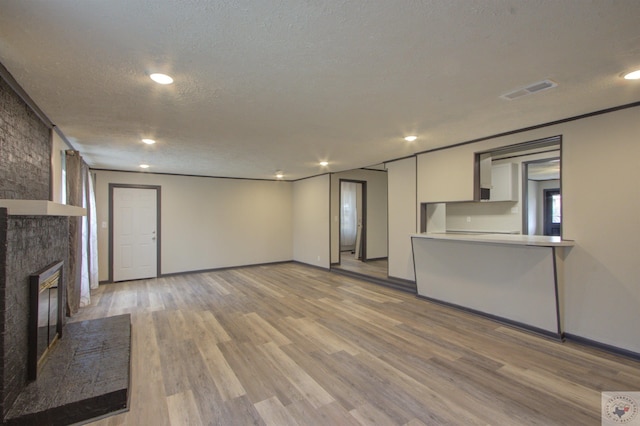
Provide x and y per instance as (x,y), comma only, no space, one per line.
(524,240)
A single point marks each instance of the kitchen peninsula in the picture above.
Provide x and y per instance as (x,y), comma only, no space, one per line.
(513,278)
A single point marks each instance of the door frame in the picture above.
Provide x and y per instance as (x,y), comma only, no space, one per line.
(525,189)
(363,237)
(158,190)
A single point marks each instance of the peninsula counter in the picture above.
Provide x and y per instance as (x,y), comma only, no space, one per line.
(513,278)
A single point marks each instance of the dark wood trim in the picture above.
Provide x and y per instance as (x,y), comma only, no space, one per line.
(223,268)
(311,177)
(396,285)
(557,292)
(535,127)
(602,346)
(364,215)
(524,187)
(187,175)
(158,189)
(311,265)
(496,318)
(373,259)
(398,159)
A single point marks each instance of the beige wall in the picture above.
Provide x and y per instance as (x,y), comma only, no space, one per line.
(257,222)
(311,221)
(57,148)
(601,207)
(402,217)
(209,223)
(376,211)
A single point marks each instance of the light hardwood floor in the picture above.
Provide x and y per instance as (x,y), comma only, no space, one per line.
(288,344)
(373,268)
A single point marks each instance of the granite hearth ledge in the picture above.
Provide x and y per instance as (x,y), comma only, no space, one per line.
(523,240)
(40,208)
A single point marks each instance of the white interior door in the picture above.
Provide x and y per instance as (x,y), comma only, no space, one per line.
(134,233)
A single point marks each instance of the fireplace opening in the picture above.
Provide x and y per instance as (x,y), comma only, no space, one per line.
(45,316)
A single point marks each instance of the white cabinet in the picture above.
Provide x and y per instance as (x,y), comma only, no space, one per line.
(504,182)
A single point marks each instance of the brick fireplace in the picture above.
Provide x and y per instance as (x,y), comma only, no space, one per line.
(28,242)
(35,241)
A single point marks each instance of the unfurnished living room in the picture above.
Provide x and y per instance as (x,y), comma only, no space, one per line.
(316,213)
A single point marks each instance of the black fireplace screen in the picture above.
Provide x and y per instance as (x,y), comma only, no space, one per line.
(45,316)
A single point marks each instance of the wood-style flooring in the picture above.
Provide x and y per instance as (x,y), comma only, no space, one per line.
(287,344)
(373,268)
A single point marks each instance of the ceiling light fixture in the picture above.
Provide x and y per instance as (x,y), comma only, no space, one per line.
(161,78)
(148,141)
(633,75)
(410,138)
(144,166)
(279,174)
(324,163)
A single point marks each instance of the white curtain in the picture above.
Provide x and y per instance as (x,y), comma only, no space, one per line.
(348,215)
(89,259)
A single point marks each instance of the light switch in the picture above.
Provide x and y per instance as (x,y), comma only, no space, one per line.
(104,225)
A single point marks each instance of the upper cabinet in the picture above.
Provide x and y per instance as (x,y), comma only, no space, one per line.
(504,182)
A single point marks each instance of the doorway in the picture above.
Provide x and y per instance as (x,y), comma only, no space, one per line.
(552,212)
(353,219)
(134,239)
(539,178)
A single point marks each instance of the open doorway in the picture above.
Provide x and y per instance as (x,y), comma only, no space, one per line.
(362,253)
(353,231)
(552,222)
(542,214)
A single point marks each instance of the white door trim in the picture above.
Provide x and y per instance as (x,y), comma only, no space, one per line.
(158,190)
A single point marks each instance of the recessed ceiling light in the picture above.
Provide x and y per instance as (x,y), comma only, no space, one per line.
(148,141)
(144,166)
(279,174)
(633,75)
(410,138)
(161,78)
(324,163)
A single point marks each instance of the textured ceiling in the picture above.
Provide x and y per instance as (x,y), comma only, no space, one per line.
(282,84)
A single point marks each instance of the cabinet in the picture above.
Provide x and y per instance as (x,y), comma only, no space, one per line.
(504,182)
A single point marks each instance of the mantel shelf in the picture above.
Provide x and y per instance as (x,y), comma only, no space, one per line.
(40,208)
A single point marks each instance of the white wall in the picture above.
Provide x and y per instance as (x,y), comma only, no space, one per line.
(601,207)
(401,177)
(376,211)
(311,221)
(57,179)
(209,223)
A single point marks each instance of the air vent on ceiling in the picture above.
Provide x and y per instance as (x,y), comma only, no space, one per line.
(530,89)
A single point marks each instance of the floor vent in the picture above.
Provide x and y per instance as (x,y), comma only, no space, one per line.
(530,89)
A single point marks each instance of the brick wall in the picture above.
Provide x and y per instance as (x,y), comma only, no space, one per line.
(27,243)
(25,150)
(32,242)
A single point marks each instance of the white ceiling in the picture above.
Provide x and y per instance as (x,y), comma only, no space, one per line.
(282,84)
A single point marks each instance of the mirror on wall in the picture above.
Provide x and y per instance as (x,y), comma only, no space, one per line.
(359,221)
